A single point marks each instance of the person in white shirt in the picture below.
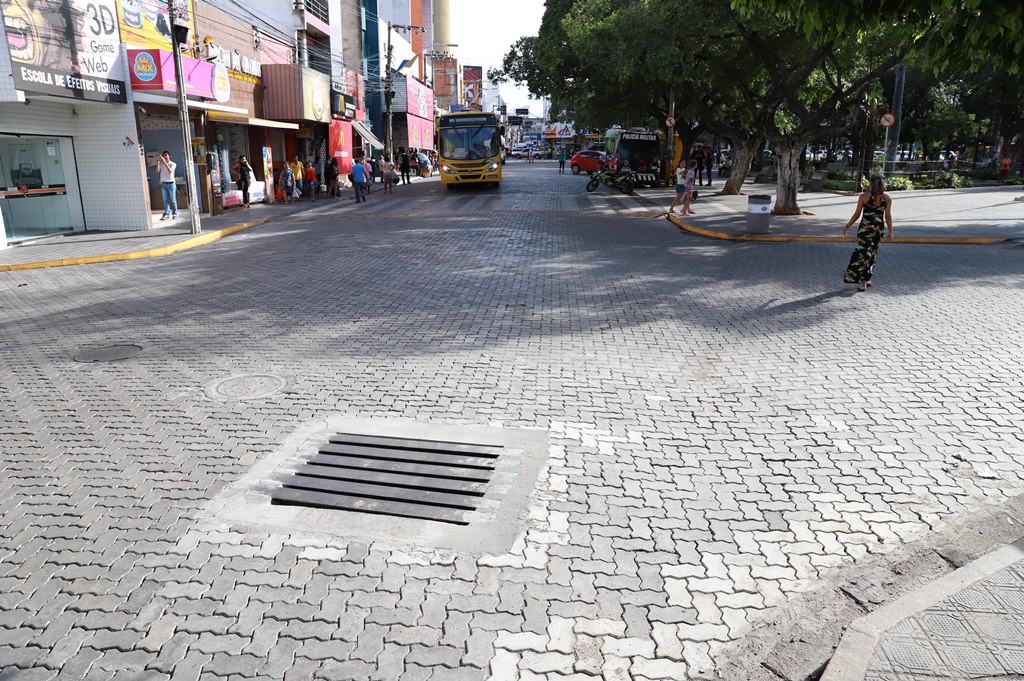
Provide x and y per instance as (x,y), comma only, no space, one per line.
(165,167)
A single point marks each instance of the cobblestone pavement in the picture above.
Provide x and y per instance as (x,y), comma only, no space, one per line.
(728,426)
(978,633)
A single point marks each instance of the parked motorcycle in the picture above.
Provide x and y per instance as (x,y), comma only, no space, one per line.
(622,181)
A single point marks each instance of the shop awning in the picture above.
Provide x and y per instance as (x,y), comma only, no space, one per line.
(367,134)
(169,99)
(244,119)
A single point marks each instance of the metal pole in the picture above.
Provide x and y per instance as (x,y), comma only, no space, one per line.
(186,125)
(893,135)
(389,144)
(669,168)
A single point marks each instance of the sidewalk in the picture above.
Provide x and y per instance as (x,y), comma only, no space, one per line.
(82,248)
(973,215)
(966,625)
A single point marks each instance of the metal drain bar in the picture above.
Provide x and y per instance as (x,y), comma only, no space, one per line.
(424,479)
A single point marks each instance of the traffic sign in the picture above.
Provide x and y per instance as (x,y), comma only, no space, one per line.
(522,112)
(515,120)
(669,122)
(888,119)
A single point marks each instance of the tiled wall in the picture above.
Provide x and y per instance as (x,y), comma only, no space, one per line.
(112,183)
(7,90)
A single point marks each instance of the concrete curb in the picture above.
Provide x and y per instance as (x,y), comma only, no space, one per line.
(852,657)
(781,238)
(184,245)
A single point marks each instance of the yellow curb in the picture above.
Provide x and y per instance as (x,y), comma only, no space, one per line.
(713,234)
(185,245)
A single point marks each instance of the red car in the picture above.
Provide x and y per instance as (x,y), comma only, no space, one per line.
(587,161)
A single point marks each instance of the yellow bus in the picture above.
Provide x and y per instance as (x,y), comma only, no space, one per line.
(469,148)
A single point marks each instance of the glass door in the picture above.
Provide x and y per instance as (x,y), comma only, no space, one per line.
(33,192)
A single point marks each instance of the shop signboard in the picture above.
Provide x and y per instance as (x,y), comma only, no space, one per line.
(421,133)
(339,144)
(472,87)
(43,38)
(154,70)
(147,24)
(559,130)
(316,88)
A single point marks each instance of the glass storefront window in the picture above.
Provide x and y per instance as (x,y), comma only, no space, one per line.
(34,198)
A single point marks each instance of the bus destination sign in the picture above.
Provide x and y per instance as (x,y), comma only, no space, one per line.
(478,119)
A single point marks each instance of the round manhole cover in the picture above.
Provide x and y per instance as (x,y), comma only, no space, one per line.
(108,353)
(247,386)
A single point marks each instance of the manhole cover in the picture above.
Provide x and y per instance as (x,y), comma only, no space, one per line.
(247,387)
(108,353)
(424,479)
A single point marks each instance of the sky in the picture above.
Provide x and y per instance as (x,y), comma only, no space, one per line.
(484,30)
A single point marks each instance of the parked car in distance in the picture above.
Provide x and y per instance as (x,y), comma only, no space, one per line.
(519,150)
(586,161)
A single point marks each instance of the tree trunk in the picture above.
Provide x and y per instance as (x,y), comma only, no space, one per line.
(743,152)
(788,151)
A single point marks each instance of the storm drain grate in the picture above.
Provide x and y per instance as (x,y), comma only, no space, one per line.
(410,478)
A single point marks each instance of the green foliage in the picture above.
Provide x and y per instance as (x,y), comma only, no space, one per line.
(950,32)
(947,179)
(840,185)
(899,183)
(1014,179)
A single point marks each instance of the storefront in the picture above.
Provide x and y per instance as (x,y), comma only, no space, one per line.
(414,120)
(241,128)
(65,123)
(300,95)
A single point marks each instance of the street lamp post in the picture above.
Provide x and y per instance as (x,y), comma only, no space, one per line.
(179,32)
(389,92)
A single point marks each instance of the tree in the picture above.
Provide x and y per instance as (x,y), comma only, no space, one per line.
(949,32)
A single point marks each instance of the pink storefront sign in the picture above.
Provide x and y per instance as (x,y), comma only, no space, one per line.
(154,70)
(421,132)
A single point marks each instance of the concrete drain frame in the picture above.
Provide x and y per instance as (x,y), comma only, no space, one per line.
(491,526)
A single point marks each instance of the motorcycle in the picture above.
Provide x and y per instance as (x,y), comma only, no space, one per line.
(623,181)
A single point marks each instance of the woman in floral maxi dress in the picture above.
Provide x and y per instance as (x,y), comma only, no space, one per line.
(876,207)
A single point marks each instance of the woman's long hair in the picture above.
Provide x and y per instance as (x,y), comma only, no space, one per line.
(877,187)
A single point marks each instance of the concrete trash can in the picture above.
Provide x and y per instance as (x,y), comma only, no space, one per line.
(759,209)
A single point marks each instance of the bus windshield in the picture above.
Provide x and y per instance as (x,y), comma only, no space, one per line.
(469,144)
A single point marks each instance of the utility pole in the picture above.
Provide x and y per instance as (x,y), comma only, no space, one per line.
(389,90)
(892,134)
(668,169)
(177,33)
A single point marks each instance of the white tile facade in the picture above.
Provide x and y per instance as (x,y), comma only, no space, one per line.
(109,171)
(113,186)
(7,90)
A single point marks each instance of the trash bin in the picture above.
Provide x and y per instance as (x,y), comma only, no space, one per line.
(759,207)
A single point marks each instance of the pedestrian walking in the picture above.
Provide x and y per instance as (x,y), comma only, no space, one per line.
(684,186)
(331,174)
(165,168)
(288,183)
(310,180)
(299,170)
(359,179)
(561,161)
(698,156)
(368,167)
(404,165)
(709,164)
(244,179)
(876,207)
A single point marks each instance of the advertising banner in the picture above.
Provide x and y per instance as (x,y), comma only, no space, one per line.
(145,23)
(419,99)
(559,130)
(472,87)
(66,48)
(154,70)
(339,144)
(316,89)
(421,133)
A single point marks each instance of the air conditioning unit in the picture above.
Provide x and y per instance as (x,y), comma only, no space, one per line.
(299,5)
